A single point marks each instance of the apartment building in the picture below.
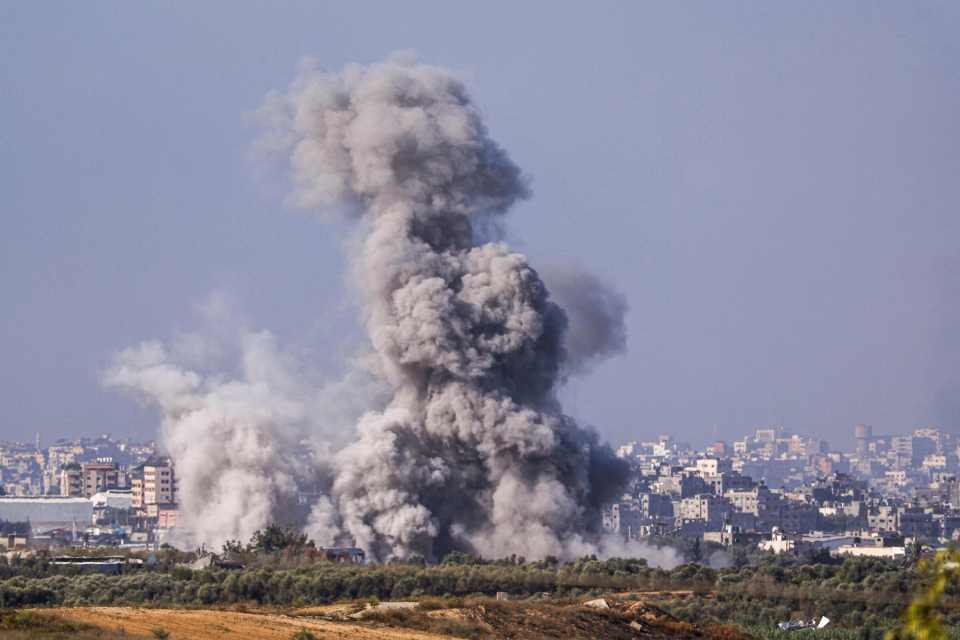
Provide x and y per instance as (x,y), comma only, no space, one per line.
(755,500)
(708,508)
(71,481)
(99,476)
(154,483)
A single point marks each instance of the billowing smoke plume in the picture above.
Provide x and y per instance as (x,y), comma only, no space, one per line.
(250,427)
(472,450)
(229,439)
(596,329)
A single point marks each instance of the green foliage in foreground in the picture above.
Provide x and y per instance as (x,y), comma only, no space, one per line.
(860,593)
(324,582)
(768,632)
(924,618)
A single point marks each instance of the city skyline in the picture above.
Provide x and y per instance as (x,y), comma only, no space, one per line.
(780,491)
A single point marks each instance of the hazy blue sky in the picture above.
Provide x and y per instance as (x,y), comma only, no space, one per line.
(773,185)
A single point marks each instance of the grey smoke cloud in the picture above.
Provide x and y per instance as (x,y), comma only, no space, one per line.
(234,440)
(469,448)
(596,316)
(250,426)
(472,451)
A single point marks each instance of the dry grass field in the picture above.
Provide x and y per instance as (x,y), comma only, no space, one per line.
(431,619)
(207,624)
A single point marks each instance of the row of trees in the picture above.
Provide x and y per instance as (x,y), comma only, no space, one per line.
(326,582)
(284,568)
(870,586)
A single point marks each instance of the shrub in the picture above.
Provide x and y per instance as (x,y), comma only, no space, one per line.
(432,604)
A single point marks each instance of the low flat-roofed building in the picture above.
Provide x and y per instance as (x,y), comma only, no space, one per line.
(46,512)
(823,540)
(871,551)
(107,564)
(113,498)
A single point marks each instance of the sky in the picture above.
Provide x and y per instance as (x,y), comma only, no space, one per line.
(772,186)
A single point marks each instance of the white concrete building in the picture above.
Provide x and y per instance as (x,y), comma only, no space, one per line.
(47,512)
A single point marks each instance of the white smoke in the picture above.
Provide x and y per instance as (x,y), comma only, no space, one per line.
(472,450)
(248,444)
(720,559)
(614,546)
(231,440)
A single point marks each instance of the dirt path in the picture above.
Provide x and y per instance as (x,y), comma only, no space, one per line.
(196,624)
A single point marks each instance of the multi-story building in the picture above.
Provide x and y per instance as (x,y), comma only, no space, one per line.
(863,434)
(655,505)
(707,508)
(712,466)
(795,517)
(99,476)
(883,519)
(902,447)
(153,484)
(71,480)
(756,500)
(727,481)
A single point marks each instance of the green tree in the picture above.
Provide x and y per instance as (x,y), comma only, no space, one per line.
(923,620)
(460,558)
(696,550)
(275,538)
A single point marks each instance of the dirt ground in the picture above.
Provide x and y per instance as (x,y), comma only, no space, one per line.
(205,624)
(611,618)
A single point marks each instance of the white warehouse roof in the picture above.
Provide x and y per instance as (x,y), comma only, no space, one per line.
(46,512)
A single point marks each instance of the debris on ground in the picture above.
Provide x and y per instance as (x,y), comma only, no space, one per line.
(794,625)
(383,607)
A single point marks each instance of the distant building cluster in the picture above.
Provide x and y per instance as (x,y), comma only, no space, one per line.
(784,493)
(788,493)
(90,491)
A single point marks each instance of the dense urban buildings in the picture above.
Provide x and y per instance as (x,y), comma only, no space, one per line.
(92,491)
(793,494)
(779,491)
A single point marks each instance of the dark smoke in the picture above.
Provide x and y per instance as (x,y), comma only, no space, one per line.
(596,329)
(472,450)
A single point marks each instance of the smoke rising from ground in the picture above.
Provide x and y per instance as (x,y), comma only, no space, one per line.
(248,425)
(230,438)
(471,450)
